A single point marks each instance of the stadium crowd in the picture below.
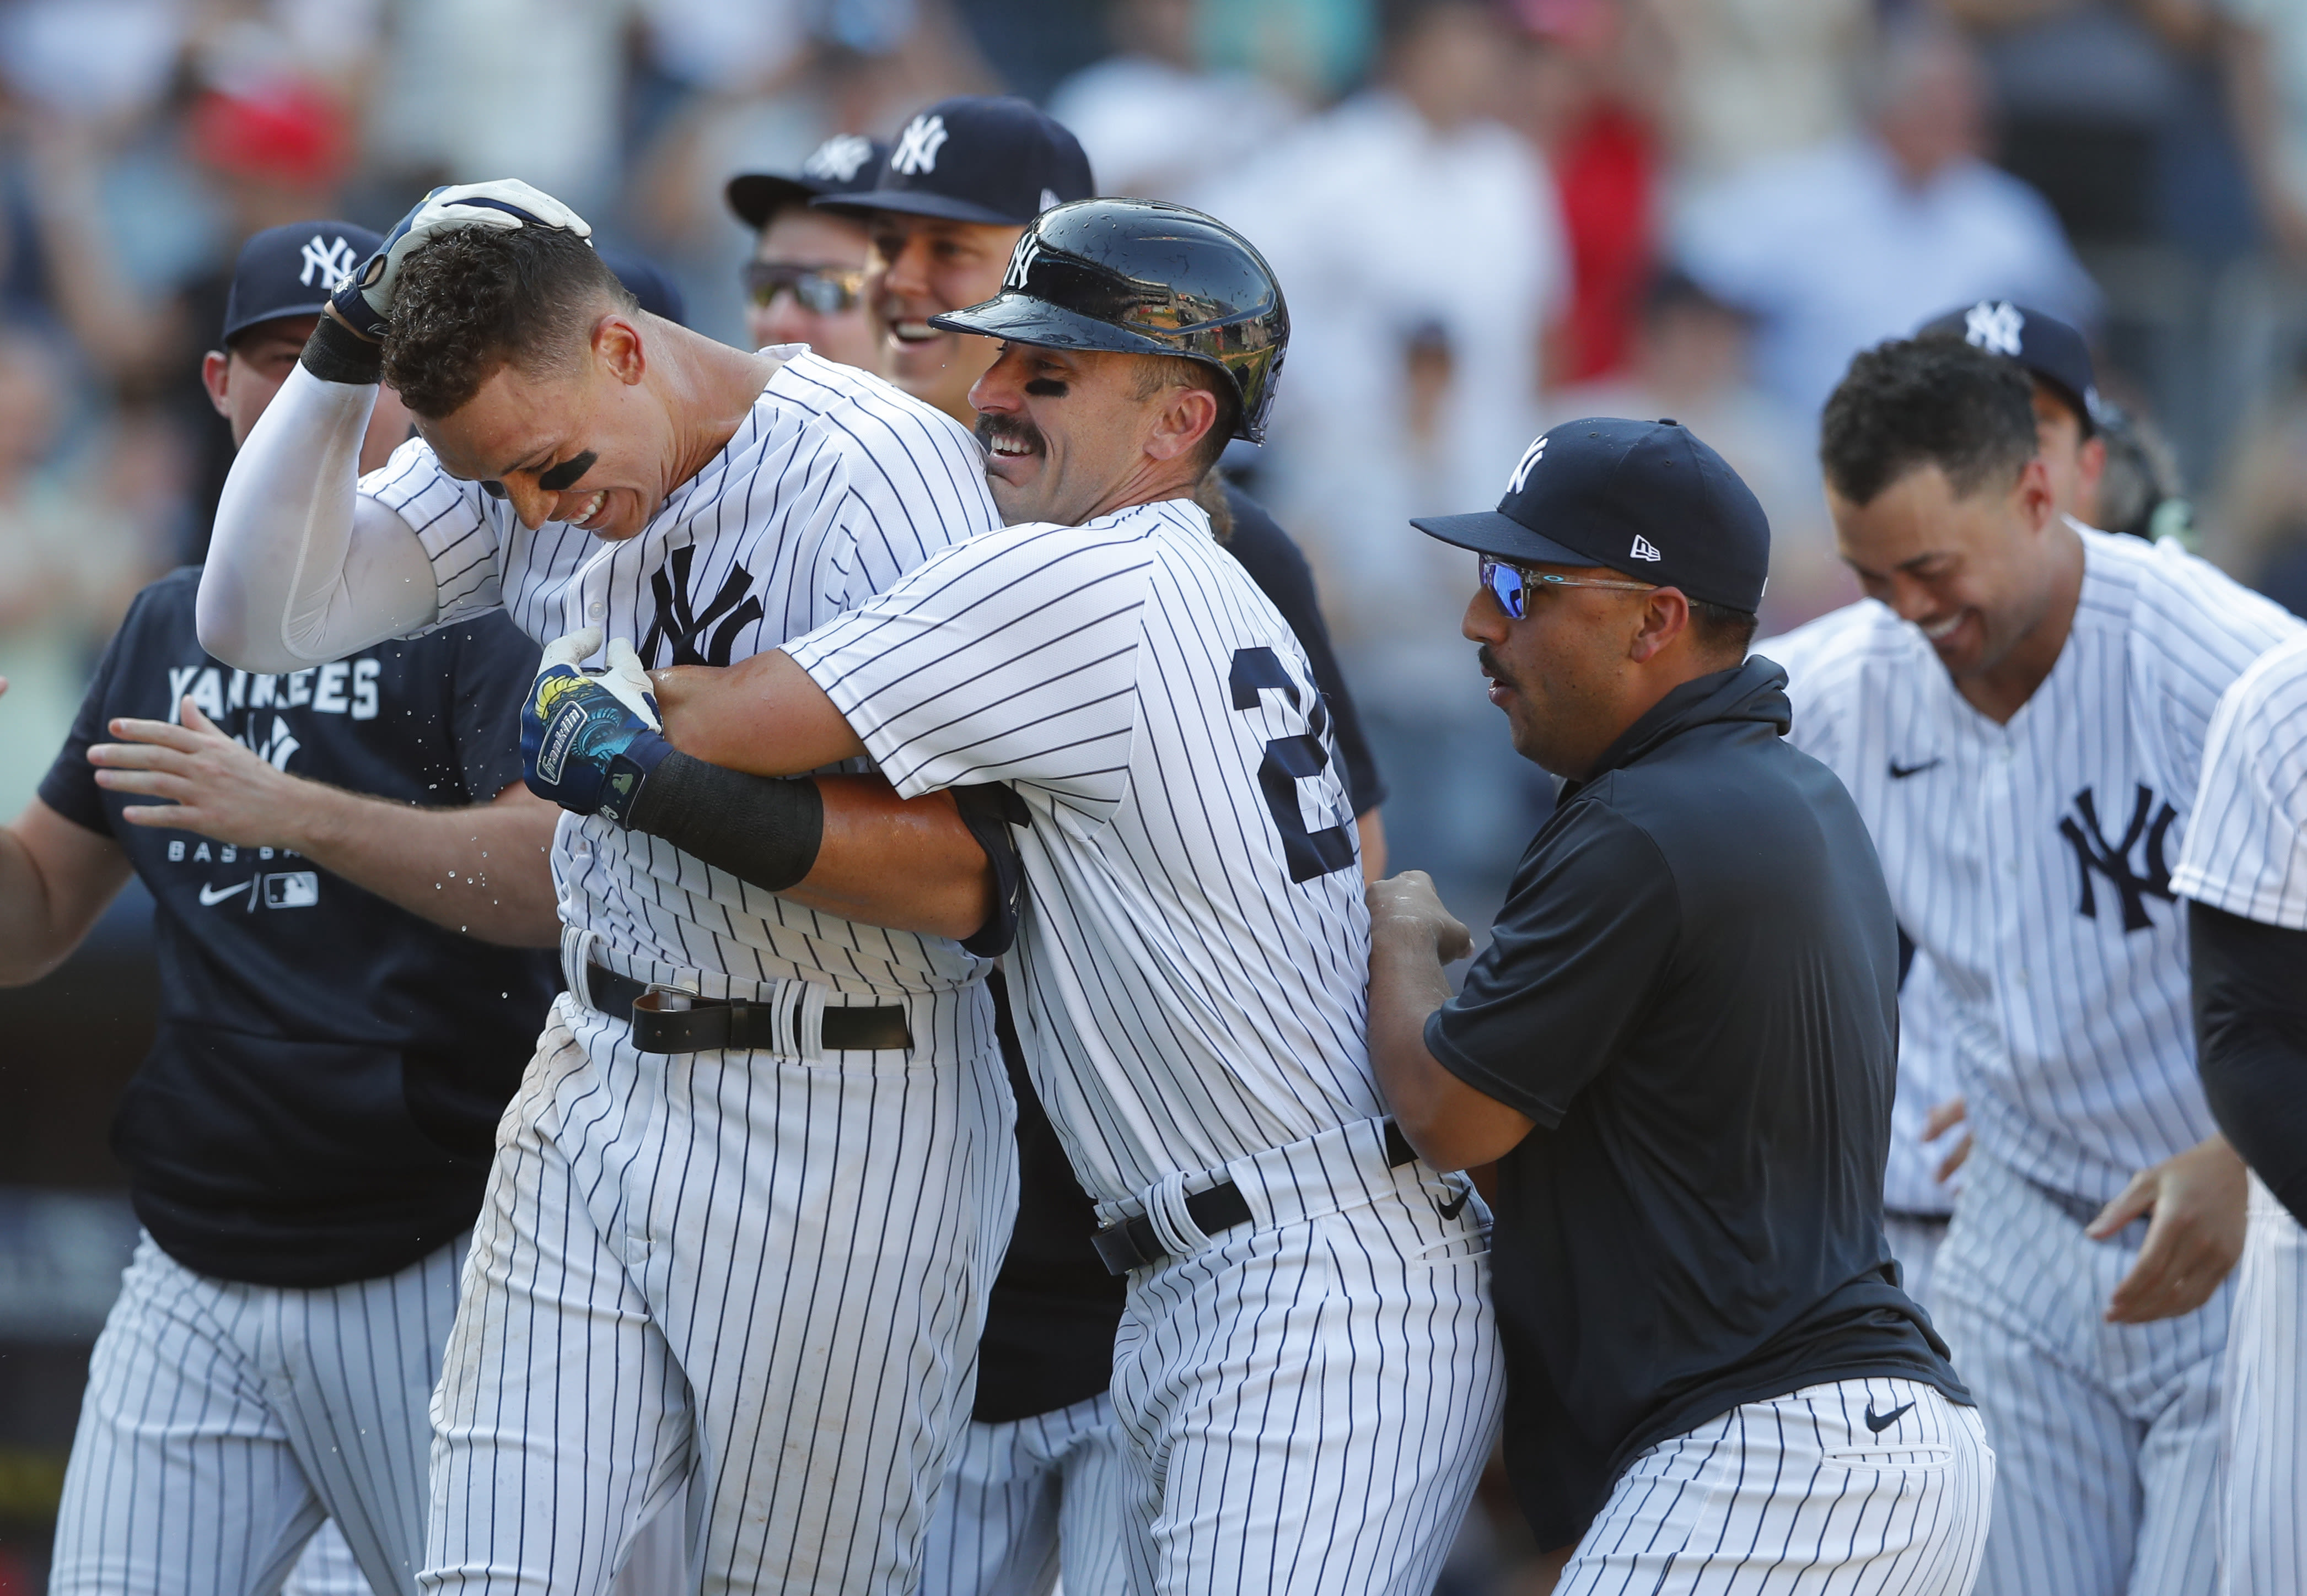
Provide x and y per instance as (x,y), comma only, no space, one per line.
(1488,215)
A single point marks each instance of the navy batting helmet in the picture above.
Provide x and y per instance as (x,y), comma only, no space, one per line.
(1143,276)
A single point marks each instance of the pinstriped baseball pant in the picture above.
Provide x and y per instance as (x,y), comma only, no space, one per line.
(2106,1437)
(1310,1396)
(1800,1493)
(223,1420)
(1028,1498)
(2263,1534)
(746,1283)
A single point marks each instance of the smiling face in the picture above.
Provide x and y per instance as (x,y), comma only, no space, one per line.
(923,267)
(589,446)
(1072,435)
(1978,572)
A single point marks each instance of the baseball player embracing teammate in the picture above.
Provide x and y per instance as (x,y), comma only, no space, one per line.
(2019,708)
(747,1203)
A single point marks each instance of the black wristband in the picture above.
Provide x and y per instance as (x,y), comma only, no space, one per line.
(763,830)
(335,353)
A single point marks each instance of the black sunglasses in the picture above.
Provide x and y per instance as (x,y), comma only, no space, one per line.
(823,289)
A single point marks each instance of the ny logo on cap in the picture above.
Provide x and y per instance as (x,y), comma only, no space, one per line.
(1995,328)
(1644,548)
(917,149)
(839,158)
(1529,457)
(334,262)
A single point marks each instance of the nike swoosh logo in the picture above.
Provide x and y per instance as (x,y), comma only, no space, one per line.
(1878,1425)
(210,896)
(1900,773)
(1455,1205)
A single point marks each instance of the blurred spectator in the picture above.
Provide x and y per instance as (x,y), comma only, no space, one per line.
(1690,364)
(1313,48)
(71,555)
(2260,531)
(2267,58)
(2140,491)
(1756,78)
(1839,247)
(1154,121)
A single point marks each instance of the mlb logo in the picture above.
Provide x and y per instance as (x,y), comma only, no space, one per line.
(292,889)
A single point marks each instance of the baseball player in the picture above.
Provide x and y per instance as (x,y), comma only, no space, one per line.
(747,1203)
(805,283)
(2019,709)
(2240,873)
(1677,1049)
(1307,1368)
(307,1139)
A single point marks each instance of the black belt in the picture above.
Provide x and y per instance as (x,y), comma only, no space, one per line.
(711,1023)
(1130,1244)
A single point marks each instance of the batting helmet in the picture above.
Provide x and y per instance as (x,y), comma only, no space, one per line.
(1143,276)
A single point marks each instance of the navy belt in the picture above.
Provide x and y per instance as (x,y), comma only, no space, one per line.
(710,1024)
(1130,1244)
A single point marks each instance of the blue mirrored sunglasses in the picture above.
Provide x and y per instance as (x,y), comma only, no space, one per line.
(1510,584)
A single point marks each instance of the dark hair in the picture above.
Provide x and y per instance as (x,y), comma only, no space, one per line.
(478,298)
(1911,403)
(1175,371)
(1720,630)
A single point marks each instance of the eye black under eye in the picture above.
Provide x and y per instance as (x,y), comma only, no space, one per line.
(493,488)
(568,472)
(1046,388)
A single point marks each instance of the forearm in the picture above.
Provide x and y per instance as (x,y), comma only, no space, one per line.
(483,870)
(301,568)
(56,877)
(763,716)
(2251,1019)
(1406,986)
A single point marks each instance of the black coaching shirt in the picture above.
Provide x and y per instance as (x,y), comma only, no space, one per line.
(321,1101)
(1693,989)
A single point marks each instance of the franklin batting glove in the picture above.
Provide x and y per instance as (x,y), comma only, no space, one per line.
(590,740)
(365,301)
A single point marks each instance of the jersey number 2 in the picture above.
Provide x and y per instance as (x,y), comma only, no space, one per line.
(1289,760)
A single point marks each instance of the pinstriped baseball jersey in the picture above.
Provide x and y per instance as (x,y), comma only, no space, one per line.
(1194,942)
(2246,848)
(835,485)
(2031,860)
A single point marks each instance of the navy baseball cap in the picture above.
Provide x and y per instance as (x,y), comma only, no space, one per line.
(844,164)
(2049,348)
(1645,497)
(976,158)
(290,270)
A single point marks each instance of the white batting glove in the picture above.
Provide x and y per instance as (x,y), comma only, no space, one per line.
(625,679)
(365,301)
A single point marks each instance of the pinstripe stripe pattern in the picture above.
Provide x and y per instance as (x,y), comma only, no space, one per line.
(1799,1494)
(1184,1001)
(1028,1498)
(835,484)
(326,1566)
(2263,1529)
(751,1277)
(2246,848)
(1311,1396)
(2073,1036)
(2107,1436)
(223,1420)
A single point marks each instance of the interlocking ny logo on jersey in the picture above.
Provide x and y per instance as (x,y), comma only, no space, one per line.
(2094,854)
(917,148)
(732,611)
(1995,328)
(326,263)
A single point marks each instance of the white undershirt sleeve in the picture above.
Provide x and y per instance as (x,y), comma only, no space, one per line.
(302,568)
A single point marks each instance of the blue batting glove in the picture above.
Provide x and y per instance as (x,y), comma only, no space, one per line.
(588,741)
(365,301)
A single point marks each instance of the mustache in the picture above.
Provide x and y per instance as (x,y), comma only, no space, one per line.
(1490,666)
(1016,428)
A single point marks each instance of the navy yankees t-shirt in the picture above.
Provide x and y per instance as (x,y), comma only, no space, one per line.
(320,1103)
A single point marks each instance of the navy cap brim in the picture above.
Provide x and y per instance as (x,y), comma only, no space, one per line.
(274,313)
(916,203)
(1488,532)
(1023,319)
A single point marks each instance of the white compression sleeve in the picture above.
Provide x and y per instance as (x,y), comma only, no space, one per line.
(302,568)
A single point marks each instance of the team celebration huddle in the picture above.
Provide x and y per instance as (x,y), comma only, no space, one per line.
(853,1036)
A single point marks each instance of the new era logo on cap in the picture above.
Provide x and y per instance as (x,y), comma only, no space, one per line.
(918,145)
(1644,548)
(1996,327)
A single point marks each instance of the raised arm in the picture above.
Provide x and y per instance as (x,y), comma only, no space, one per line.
(303,569)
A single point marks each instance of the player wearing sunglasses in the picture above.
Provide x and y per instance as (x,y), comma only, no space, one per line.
(805,283)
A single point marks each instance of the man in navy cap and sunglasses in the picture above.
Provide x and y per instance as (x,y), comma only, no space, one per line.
(1679,1050)
(805,283)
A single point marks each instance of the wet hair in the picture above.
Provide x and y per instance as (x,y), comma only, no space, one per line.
(477,298)
(1175,371)
(1911,403)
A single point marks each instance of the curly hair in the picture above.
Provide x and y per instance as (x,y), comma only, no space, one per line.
(478,298)
(1915,402)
